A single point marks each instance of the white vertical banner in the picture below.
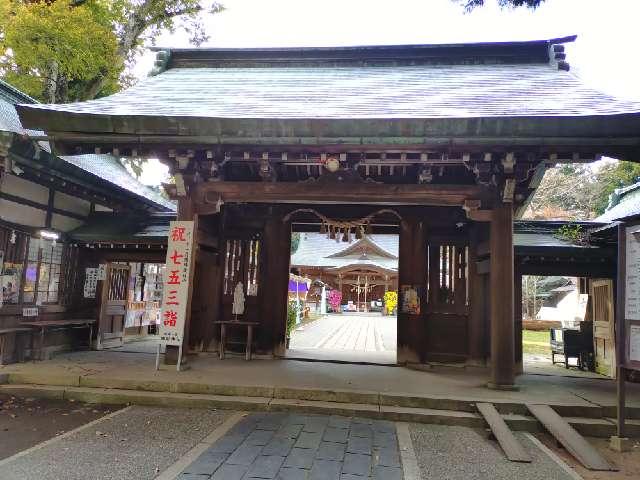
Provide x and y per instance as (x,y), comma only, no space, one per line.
(175,294)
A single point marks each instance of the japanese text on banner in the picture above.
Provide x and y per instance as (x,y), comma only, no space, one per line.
(176,282)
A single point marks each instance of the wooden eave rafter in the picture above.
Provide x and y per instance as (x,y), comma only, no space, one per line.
(590,135)
(210,196)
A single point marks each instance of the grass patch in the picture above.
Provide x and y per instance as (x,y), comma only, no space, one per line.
(535,336)
(535,342)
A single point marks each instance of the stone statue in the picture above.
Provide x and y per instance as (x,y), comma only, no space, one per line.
(238,300)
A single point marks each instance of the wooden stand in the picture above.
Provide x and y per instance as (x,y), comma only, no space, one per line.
(223,336)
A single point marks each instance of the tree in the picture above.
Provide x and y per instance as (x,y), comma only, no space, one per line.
(471,4)
(577,191)
(295,242)
(69,50)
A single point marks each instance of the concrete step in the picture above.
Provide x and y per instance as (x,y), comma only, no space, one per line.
(432,402)
(440,416)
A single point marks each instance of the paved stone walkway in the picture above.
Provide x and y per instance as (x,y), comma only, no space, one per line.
(349,337)
(301,447)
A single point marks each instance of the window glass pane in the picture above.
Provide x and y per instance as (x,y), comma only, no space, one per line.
(42,298)
(34,245)
(43,281)
(56,254)
(31,275)
(45,256)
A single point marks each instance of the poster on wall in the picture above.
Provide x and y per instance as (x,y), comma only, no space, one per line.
(632,297)
(410,299)
(634,343)
(180,248)
(101,273)
(90,282)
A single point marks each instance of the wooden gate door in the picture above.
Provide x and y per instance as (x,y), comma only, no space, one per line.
(603,327)
(113,306)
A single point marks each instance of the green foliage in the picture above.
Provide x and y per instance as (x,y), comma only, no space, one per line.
(69,50)
(51,49)
(573,233)
(613,176)
(292,312)
(295,242)
(390,301)
(578,191)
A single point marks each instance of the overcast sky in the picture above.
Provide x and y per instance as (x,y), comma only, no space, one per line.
(605,54)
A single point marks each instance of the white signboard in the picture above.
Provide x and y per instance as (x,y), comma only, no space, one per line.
(90,282)
(632,287)
(30,312)
(101,274)
(634,343)
(176,282)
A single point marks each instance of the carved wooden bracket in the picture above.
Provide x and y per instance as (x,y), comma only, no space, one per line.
(509,190)
(472,209)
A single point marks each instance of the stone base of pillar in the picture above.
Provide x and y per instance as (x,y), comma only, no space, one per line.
(619,444)
(476,362)
(519,368)
(504,388)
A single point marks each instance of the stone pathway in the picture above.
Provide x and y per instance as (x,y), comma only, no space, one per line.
(301,447)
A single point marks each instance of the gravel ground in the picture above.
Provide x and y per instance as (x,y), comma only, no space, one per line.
(627,462)
(29,421)
(136,444)
(465,454)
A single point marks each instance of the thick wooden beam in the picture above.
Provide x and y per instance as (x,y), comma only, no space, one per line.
(517,313)
(502,298)
(274,283)
(477,301)
(208,195)
(412,271)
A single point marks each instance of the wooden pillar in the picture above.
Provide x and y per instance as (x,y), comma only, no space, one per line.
(517,309)
(274,284)
(412,270)
(502,298)
(186,211)
(477,299)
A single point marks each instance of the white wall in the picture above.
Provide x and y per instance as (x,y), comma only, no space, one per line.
(20,187)
(71,204)
(20,214)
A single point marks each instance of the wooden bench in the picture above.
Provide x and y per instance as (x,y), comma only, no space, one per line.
(223,335)
(52,325)
(4,334)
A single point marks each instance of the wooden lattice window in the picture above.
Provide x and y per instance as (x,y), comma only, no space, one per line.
(241,264)
(43,270)
(451,288)
(118,282)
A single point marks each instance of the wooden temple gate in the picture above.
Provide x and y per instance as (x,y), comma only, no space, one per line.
(252,135)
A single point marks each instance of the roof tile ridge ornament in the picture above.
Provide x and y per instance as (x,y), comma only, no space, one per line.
(161,63)
(558,57)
